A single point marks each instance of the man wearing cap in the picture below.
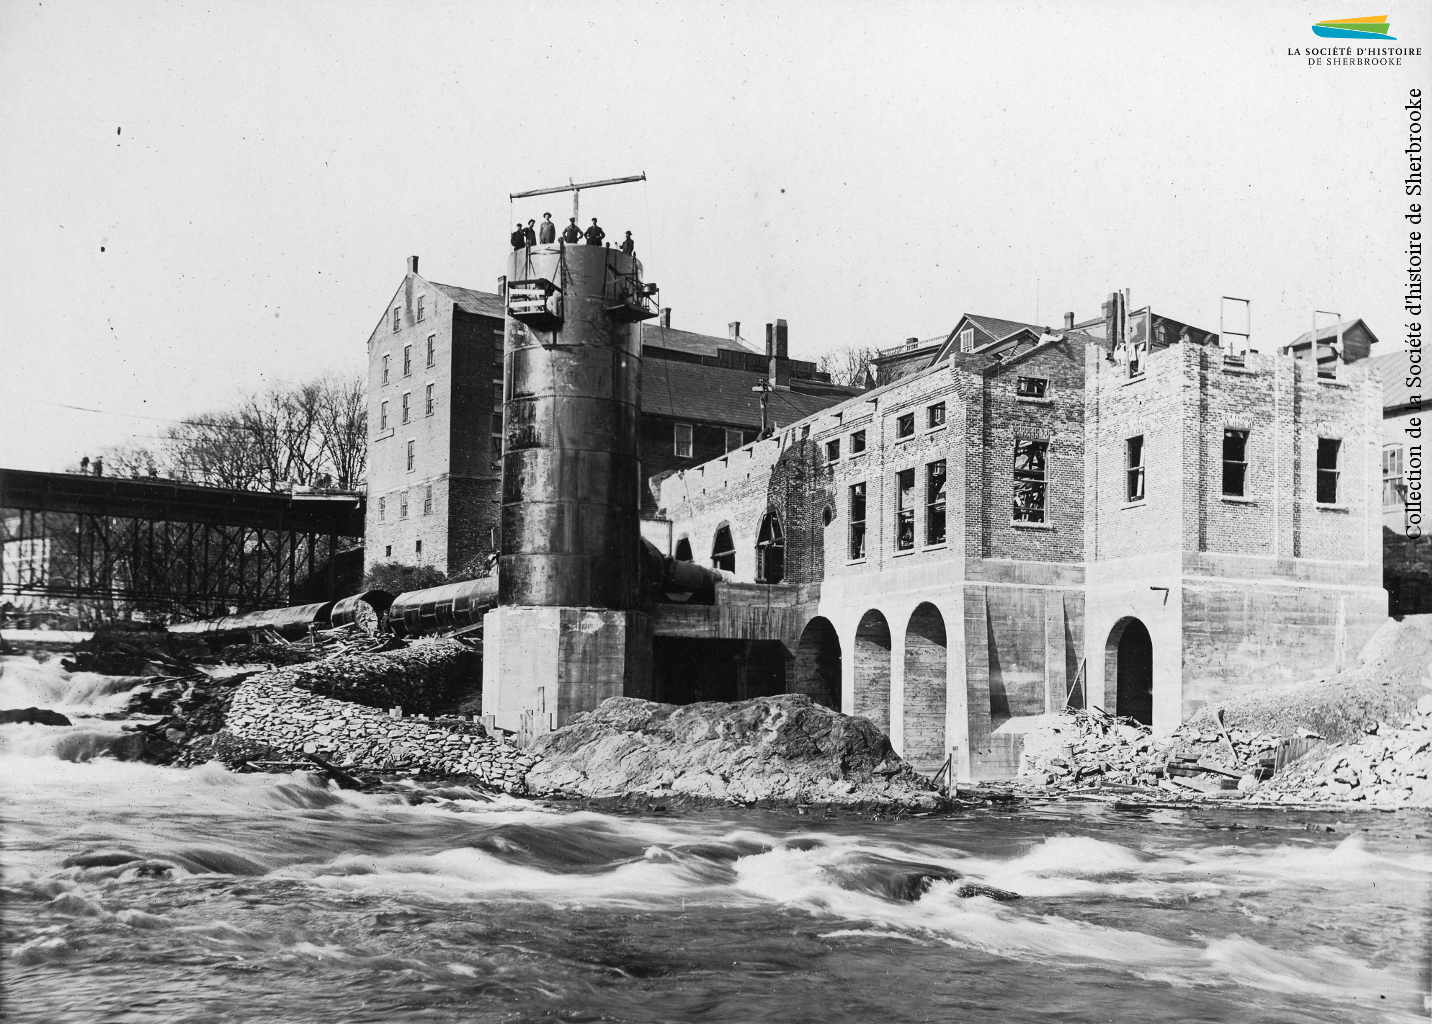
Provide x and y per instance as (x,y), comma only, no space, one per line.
(595,234)
(529,235)
(571,234)
(547,232)
(519,237)
(629,245)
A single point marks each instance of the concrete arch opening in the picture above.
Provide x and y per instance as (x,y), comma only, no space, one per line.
(771,550)
(723,549)
(1129,663)
(816,671)
(926,658)
(872,669)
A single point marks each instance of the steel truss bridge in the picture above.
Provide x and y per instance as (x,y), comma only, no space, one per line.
(171,547)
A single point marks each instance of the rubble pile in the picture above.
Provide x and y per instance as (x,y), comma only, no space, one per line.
(289,721)
(1083,748)
(1387,768)
(429,676)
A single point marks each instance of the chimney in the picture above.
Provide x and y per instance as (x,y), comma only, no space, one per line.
(1068,321)
(770,341)
(912,342)
(412,264)
(502,287)
(665,320)
(734,329)
(1113,311)
(782,336)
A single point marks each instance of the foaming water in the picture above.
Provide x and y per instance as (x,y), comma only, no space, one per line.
(142,893)
(26,682)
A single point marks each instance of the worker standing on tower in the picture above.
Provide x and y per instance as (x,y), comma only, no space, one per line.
(595,234)
(571,234)
(519,237)
(529,233)
(629,245)
(547,232)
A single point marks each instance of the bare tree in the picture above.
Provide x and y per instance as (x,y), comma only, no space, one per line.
(343,426)
(853,365)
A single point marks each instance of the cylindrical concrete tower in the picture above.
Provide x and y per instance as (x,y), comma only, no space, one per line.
(571,478)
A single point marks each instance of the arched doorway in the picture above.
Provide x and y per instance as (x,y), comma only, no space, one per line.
(817,669)
(925,661)
(1129,663)
(872,669)
(770,550)
(723,550)
(683,550)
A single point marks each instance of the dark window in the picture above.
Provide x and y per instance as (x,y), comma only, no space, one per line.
(827,515)
(1030,482)
(1031,387)
(387,551)
(427,500)
(734,439)
(387,363)
(770,551)
(428,399)
(1235,462)
(905,425)
(723,550)
(397,319)
(857,521)
(420,307)
(1328,448)
(682,439)
(497,394)
(905,510)
(407,360)
(432,349)
(1134,469)
(383,416)
(418,547)
(382,510)
(935,415)
(497,421)
(412,454)
(1394,491)
(406,397)
(496,448)
(832,450)
(857,442)
(935,503)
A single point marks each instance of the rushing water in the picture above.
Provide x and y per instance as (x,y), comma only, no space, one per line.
(136,893)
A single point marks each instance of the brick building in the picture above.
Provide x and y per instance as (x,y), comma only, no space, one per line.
(1407,549)
(1122,513)
(435,371)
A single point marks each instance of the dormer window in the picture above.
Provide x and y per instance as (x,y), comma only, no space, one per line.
(967,339)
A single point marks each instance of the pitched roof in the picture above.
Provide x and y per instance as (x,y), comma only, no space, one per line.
(717,394)
(480,303)
(656,336)
(1331,331)
(997,328)
(1395,367)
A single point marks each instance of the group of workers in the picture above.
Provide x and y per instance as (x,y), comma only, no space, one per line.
(546,233)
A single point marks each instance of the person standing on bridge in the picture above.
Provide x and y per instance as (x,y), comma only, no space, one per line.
(595,234)
(547,231)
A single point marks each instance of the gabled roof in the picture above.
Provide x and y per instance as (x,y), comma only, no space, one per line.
(1330,333)
(656,336)
(718,394)
(993,326)
(1394,367)
(470,301)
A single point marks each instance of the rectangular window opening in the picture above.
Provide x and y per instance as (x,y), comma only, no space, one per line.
(905,425)
(1138,357)
(432,349)
(935,503)
(1031,387)
(1235,462)
(1394,491)
(403,505)
(382,415)
(1030,482)
(412,457)
(1328,452)
(905,510)
(857,521)
(397,319)
(429,404)
(734,439)
(857,442)
(935,416)
(832,450)
(682,435)
(407,360)
(428,499)
(387,364)
(406,414)
(382,510)
(967,339)
(420,307)
(1134,469)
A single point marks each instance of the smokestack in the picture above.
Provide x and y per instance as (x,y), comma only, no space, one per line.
(1068,321)
(782,337)
(412,264)
(734,328)
(665,320)
(770,341)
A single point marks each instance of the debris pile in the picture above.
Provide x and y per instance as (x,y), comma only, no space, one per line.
(1387,768)
(429,676)
(1089,747)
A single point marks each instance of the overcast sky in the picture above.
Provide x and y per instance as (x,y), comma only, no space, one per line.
(200,199)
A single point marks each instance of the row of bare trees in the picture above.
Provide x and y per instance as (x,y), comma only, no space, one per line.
(312,434)
(854,365)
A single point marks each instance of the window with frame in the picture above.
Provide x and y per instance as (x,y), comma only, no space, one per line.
(406,413)
(905,510)
(857,521)
(403,505)
(427,499)
(418,546)
(1030,481)
(382,415)
(1394,491)
(1031,387)
(496,449)
(734,439)
(429,405)
(1134,469)
(967,339)
(420,307)
(412,458)
(832,450)
(387,551)
(1235,462)
(387,365)
(432,349)
(857,442)
(935,416)
(407,360)
(1138,356)
(682,440)
(904,426)
(935,502)
(1329,450)
(382,510)
(397,318)
(723,550)
(771,550)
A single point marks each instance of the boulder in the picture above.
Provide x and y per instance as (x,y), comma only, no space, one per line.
(32,716)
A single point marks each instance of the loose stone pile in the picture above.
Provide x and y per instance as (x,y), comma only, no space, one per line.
(1388,768)
(1084,748)
(422,677)
(267,711)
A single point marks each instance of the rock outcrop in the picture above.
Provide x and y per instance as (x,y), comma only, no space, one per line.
(785,749)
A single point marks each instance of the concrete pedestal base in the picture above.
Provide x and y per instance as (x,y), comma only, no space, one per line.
(541,666)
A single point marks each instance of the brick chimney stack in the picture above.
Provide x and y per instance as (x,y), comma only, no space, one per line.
(665,317)
(1068,321)
(412,264)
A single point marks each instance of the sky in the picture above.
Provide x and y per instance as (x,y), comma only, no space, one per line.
(200,200)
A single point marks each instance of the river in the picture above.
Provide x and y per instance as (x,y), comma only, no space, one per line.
(146,894)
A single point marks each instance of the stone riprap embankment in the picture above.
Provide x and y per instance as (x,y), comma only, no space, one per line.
(269,711)
(783,750)
(427,677)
